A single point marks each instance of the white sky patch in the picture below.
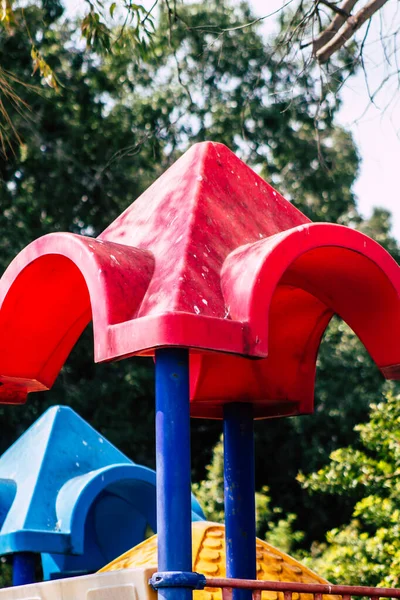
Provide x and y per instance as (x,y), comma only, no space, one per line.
(376,131)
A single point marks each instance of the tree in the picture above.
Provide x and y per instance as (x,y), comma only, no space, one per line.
(117,121)
(366,550)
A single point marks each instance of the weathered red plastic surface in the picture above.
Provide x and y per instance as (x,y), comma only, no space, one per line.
(212,258)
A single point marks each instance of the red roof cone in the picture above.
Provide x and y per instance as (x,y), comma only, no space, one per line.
(211,258)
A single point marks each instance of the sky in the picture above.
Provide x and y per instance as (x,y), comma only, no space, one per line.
(375,128)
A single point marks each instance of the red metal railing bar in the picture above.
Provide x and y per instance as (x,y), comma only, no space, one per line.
(305,588)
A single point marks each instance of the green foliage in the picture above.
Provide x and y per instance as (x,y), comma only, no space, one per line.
(366,550)
(271,524)
(96,33)
(283,533)
(102,26)
(5,572)
(379,226)
(252,100)
(210,491)
(116,121)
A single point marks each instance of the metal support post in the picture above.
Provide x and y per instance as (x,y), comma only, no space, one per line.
(239,492)
(174,524)
(23,568)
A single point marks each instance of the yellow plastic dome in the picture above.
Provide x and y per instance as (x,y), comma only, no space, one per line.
(208,544)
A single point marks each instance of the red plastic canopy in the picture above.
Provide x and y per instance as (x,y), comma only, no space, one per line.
(211,258)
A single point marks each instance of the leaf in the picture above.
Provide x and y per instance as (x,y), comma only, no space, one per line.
(96,33)
(46,72)
(3,10)
(112,9)
(6,13)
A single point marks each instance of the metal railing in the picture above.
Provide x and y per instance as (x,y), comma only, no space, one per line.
(288,589)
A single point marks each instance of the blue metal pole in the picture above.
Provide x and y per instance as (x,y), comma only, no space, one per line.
(174,523)
(239,493)
(23,568)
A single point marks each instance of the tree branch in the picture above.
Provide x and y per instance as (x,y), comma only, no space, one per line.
(351,25)
(337,9)
(331,30)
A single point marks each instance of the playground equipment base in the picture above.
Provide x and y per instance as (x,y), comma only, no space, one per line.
(127,577)
(129,584)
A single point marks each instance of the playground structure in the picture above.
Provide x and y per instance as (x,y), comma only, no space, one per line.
(230,288)
(69,495)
